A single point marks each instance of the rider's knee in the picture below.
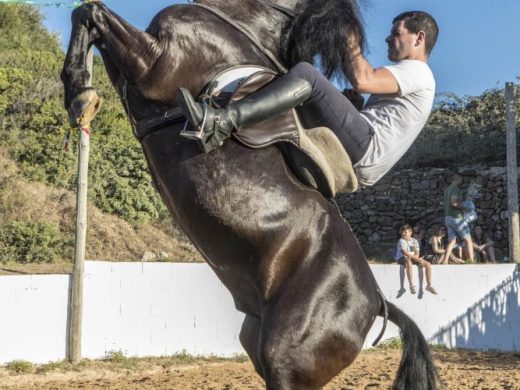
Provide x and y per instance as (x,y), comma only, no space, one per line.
(303,70)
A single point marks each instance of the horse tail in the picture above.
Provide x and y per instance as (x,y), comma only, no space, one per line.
(416,370)
(318,33)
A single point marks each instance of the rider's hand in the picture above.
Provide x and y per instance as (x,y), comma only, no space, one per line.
(355,98)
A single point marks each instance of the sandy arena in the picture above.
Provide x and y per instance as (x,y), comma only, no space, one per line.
(372,370)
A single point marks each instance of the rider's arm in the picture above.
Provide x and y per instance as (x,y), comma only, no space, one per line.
(366,79)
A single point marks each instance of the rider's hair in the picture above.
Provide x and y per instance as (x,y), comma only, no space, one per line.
(416,21)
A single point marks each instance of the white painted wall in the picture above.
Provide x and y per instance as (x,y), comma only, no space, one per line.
(33,317)
(153,309)
(150,309)
(477,306)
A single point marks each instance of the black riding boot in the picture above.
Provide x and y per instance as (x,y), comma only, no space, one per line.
(213,126)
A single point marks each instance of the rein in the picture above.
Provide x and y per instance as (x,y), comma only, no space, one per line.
(286,11)
(148,125)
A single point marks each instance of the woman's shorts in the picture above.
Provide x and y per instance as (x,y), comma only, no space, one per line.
(457,227)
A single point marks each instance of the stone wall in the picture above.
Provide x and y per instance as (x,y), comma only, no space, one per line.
(416,196)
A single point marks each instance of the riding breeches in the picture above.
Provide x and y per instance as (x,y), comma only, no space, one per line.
(327,106)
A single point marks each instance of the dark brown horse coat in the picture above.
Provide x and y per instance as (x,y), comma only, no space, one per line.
(290,261)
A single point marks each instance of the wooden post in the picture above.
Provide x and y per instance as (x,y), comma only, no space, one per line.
(512,177)
(76,296)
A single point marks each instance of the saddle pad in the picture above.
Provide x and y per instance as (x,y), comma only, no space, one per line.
(329,170)
(229,80)
(322,145)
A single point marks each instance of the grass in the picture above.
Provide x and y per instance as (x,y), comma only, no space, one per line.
(61,365)
(19,367)
(117,361)
(16,268)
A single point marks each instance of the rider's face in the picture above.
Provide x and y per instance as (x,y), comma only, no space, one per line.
(401,42)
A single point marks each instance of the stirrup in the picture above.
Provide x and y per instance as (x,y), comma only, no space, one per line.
(198,133)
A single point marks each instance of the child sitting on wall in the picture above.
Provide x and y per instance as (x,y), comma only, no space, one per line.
(408,253)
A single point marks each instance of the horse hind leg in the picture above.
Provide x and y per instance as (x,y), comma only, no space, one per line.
(133,52)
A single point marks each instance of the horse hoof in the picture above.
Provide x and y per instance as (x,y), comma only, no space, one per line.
(84,108)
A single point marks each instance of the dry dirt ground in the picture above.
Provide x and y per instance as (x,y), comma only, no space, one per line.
(372,370)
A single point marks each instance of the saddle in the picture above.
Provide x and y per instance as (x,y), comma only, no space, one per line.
(315,156)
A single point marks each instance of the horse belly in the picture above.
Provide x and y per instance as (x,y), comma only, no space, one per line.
(232,203)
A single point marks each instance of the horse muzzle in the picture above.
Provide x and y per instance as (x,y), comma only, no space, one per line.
(84,108)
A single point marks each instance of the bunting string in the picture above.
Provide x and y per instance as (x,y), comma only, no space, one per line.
(56,4)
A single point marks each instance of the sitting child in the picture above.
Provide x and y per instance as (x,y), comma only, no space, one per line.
(483,245)
(437,249)
(408,253)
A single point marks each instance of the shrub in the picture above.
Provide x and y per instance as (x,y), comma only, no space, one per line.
(115,356)
(391,343)
(463,131)
(19,366)
(30,242)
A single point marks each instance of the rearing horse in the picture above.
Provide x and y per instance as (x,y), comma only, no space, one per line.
(290,261)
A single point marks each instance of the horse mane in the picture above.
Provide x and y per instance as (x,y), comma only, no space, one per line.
(317,34)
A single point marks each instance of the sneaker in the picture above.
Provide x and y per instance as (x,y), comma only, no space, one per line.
(431,290)
(413,290)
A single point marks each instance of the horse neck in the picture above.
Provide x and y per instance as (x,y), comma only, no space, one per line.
(290,4)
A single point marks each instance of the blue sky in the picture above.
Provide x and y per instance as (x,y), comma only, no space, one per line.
(478,46)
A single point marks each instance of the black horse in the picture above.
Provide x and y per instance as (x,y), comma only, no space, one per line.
(285,253)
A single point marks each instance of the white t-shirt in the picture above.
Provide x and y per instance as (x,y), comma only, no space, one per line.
(411,246)
(397,119)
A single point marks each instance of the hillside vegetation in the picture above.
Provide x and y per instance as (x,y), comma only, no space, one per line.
(38,222)
(463,131)
(126,216)
(37,179)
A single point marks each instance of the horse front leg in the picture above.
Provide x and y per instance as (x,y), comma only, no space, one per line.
(132,51)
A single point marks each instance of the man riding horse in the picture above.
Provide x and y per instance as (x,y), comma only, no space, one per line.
(374,138)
